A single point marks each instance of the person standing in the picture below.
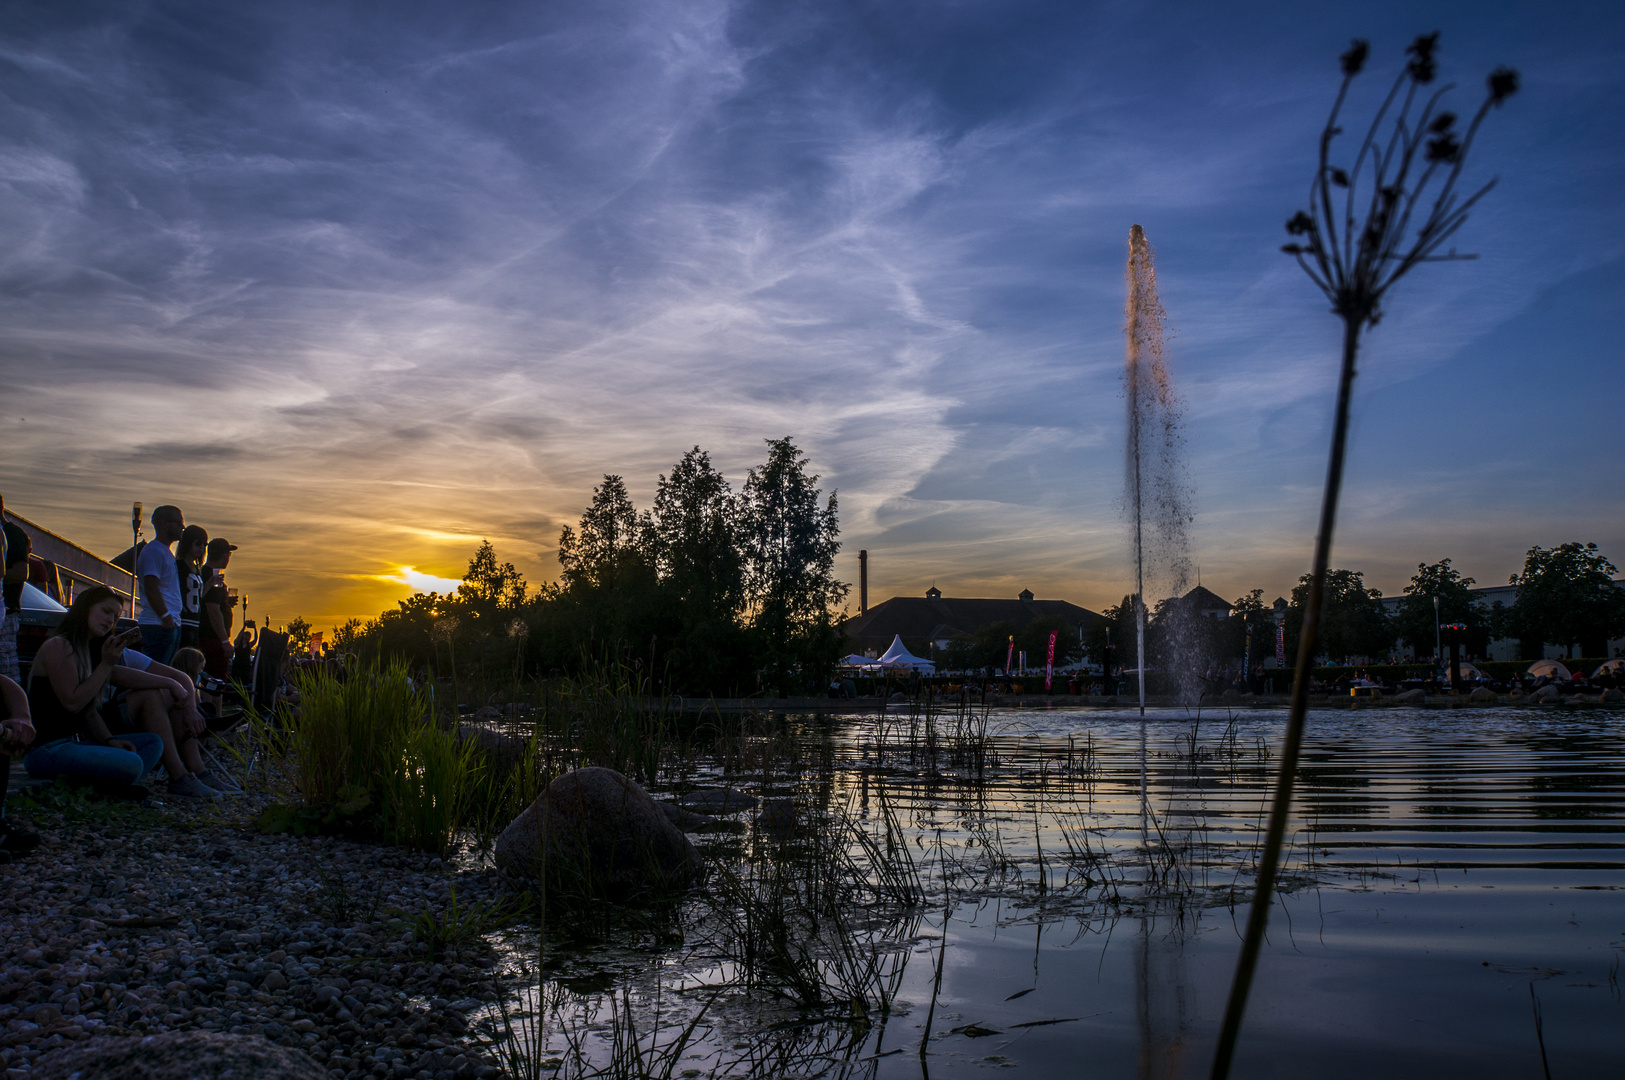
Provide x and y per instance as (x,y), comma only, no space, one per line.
(189,556)
(159,585)
(15,548)
(214,626)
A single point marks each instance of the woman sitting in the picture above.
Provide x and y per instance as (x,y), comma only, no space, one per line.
(76,711)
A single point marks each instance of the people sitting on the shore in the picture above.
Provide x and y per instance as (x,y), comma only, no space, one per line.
(214,626)
(160,587)
(189,662)
(16,732)
(107,714)
(189,555)
(15,547)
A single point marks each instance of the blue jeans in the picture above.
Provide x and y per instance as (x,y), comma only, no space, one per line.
(92,763)
(159,642)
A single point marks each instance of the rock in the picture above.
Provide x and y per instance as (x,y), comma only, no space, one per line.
(178,1055)
(502,748)
(596,831)
(1613,696)
(718,800)
(1410,697)
(1482,696)
(488,715)
(778,817)
(1546,695)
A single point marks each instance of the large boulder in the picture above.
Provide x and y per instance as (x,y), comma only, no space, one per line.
(1546,695)
(178,1055)
(1482,695)
(1410,697)
(1613,696)
(595,832)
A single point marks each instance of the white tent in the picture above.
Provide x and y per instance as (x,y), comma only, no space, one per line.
(866,663)
(898,656)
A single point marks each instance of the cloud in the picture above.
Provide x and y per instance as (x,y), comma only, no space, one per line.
(363,290)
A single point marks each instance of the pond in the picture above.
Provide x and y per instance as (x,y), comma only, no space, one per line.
(1453,901)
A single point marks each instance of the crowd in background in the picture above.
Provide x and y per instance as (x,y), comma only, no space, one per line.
(106,707)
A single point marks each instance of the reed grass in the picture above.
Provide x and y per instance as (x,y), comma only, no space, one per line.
(366,750)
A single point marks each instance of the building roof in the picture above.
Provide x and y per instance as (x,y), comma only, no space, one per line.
(921,619)
(1205,599)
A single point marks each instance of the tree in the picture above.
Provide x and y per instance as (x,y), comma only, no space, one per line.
(1033,639)
(607,544)
(1352,622)
(489,588)
(694,542)
(298,632)
(986,648)
(1252,628)
(1414,620)
(1116,626)
(790,586)
(1567,597)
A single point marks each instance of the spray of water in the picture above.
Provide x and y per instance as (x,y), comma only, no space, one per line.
(1157,493)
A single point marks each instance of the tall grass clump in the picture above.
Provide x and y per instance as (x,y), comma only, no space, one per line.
(364,754)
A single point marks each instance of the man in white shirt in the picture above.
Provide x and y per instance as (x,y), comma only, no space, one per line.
(159,585)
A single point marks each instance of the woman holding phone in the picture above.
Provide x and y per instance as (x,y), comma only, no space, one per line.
(69,691)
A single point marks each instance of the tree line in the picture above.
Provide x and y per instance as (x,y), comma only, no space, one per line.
(707,591)
(1566,597)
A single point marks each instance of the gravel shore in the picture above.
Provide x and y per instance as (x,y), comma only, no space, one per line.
(174,916)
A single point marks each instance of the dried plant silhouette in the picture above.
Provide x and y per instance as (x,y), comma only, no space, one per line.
(1357,240)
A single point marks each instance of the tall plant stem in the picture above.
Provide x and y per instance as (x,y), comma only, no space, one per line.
(1264,890)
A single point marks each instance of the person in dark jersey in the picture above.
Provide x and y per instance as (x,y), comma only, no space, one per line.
(76,712)
(189,555)
(214,625)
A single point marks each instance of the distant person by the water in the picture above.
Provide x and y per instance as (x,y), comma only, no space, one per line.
(214,627)
(189,556)
(15,547)
(159,586)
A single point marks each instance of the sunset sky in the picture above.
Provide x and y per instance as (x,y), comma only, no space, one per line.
(358,285)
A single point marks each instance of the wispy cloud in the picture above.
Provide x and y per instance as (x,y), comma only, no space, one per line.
(360,291)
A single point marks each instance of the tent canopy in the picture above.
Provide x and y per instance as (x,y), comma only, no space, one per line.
(1549,668)
(898,656)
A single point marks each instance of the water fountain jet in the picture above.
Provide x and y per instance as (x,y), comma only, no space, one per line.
(1156,488)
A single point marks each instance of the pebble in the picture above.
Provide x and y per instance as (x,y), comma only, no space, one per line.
(195,921)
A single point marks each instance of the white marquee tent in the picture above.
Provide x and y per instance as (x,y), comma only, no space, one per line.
(898,656)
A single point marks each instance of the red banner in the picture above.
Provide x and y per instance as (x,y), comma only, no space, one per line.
(1010,655)
(1049,662)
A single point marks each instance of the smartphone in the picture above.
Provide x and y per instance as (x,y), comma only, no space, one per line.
(248,624)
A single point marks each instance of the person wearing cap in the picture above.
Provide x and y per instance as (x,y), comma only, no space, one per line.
(214,628)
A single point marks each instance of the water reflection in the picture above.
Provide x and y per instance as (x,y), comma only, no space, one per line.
(1087,870)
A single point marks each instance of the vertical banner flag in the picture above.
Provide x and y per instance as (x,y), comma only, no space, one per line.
(1049,662)
(1280,642)
(315,648)
(1010,654)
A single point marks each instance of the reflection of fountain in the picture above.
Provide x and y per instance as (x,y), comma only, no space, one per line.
(1156,498)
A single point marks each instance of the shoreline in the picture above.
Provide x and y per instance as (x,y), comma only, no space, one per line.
(135,920)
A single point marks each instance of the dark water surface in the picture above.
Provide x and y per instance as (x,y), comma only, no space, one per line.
(1444,864)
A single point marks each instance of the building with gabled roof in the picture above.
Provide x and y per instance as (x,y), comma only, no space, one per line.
(933,620)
